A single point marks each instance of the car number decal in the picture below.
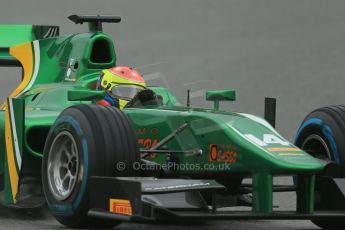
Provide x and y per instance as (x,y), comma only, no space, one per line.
(267,139)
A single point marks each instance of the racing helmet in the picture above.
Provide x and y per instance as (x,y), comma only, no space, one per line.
(121,84)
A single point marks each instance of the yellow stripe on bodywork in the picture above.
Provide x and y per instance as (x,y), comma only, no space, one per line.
(13,174)
(24,54)
(283,149)
(290,154)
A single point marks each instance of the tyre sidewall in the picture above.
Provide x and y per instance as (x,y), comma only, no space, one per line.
(320,124)
(331,131)
(77,203)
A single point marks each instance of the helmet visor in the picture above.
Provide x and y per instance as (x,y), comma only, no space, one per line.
(126,92)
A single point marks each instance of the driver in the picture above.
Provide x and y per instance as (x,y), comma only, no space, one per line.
(121,84)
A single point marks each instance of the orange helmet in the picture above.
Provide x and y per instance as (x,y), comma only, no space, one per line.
(121,83)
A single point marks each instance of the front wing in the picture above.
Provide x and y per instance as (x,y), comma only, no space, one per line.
(141,199)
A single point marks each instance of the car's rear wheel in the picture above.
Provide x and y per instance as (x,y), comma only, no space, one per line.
(85,141)
(322,134)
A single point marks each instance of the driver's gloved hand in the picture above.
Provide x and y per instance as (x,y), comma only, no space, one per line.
(108,101)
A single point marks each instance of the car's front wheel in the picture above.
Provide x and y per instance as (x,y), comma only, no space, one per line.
(322,134)
(85,141)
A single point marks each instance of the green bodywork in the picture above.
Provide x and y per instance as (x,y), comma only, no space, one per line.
(232,144)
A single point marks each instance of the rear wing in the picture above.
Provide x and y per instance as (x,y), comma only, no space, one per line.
(11,35)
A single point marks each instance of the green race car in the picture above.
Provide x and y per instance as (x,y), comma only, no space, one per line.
(97,166)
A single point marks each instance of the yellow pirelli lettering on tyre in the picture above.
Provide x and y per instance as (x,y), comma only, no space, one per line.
(120,207)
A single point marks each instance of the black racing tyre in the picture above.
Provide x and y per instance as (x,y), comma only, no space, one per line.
(322,134)
(85,141)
